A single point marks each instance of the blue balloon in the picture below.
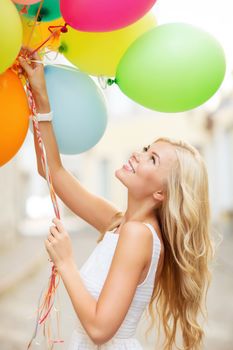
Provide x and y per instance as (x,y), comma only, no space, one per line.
(80,113)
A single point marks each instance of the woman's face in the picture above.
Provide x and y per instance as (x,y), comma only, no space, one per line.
(146,171)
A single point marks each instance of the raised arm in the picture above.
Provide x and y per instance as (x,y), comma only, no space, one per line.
(95,210)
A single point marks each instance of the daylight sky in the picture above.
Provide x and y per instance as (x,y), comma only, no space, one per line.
(214,16)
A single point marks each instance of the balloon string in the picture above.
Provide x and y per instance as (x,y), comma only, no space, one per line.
(43,312)
(59,29)
(42,152)
(63,28)
(47,303)
(56,65)
(103,82)
(35,22)
(46,300)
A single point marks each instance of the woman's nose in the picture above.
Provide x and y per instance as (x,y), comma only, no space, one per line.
(136,155)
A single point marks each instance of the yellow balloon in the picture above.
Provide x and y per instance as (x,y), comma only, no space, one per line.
(33,37)
(11,34)
(99,53)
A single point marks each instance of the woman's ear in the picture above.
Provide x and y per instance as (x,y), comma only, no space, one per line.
(158,196)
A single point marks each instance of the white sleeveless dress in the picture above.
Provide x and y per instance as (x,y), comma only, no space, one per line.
(93,273)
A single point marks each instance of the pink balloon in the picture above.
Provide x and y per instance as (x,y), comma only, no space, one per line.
(103,15)
(25,2)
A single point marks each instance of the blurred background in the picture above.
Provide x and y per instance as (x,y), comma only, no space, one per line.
(26,211)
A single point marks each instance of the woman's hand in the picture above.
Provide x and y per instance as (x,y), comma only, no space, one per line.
(33,70)
(35,74)
(58,245)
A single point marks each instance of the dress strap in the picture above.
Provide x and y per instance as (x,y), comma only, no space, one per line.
(154,259)
(156,240)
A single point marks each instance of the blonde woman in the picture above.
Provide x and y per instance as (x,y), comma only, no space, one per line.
(152,257)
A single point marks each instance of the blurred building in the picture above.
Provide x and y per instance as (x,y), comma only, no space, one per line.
(219,157)
(12,201)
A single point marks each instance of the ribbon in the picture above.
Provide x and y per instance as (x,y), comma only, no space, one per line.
(46,301)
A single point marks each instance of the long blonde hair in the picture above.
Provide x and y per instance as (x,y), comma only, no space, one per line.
(179,297)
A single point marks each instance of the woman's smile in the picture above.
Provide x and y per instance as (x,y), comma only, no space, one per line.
(129,167)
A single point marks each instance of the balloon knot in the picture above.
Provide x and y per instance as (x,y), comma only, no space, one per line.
(64,29)
(24,10)
(111,81)
(62,48)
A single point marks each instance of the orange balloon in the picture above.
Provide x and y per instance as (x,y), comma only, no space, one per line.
(14,116)
(33,38)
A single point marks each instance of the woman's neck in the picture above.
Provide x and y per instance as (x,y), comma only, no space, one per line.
(144,212)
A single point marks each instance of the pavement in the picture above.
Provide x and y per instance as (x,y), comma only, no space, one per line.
(13,269)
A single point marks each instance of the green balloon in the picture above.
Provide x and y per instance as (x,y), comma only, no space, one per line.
(172,68)
(11,34)
(50,10)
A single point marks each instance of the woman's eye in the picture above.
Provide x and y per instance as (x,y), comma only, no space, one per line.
(145,149)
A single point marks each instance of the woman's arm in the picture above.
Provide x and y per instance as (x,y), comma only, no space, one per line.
(101,319)
(52,153)
(36,77)
(95,210)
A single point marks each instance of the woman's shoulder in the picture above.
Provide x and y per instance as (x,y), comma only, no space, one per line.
(153,230)
(135,227)
(140,231)
(139,226)
(131,228)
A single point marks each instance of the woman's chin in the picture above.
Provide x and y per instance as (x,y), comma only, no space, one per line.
(118,174)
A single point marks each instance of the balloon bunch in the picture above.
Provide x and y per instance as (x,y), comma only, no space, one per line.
(168,68)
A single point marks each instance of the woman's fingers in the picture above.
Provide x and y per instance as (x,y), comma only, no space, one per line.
(29,55)
(55,232)
(51,238)
(20,72)
(24,64)
(58,224)
(36,56)
(26,51)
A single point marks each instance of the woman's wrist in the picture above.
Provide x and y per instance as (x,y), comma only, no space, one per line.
(44,117)
(67,266)
(42,102)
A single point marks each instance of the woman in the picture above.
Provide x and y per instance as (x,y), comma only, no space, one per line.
(157,257)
